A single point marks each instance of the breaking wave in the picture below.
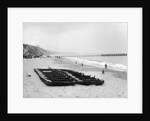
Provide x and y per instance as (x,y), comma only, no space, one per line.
(120,67)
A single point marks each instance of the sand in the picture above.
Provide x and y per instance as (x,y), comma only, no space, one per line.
(115,85)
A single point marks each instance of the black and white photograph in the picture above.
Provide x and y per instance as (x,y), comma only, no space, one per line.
(75,59)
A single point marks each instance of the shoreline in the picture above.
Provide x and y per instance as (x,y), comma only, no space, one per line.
(115,86)
(116,73)
(119,67)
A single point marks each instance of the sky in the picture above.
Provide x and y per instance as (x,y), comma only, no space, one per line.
(77,37)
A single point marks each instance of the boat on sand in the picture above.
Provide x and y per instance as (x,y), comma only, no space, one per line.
(64,77)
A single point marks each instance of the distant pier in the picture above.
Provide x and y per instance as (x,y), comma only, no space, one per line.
(122,54)
(116,54)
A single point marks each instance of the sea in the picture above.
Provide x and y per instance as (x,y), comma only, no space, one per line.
(113,62)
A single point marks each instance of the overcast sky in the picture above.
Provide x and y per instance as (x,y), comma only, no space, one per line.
(77,37)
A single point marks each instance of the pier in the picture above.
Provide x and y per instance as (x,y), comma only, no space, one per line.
(121,54)
(116,54)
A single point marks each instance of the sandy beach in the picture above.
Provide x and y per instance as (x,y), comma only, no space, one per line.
(115,85)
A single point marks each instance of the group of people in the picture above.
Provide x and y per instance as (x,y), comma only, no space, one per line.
(103,71)
(81,63)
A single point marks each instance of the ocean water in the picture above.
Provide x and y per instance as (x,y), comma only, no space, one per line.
(113,62)
(109,59)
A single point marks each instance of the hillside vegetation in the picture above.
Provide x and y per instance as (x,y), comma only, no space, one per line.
(30,51)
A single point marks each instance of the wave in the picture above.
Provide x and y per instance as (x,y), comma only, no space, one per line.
(119,67)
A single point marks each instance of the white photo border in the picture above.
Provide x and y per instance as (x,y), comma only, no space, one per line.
(18,104)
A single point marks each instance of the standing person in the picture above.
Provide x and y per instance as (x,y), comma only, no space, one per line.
(105,66)
(103,71)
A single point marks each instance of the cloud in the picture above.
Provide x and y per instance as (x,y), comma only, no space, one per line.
(77,37)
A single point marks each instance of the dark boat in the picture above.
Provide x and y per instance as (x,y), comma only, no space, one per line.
(63,77)
(85,79)
(52,78)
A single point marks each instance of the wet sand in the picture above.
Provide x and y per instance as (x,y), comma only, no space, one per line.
(115,84)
